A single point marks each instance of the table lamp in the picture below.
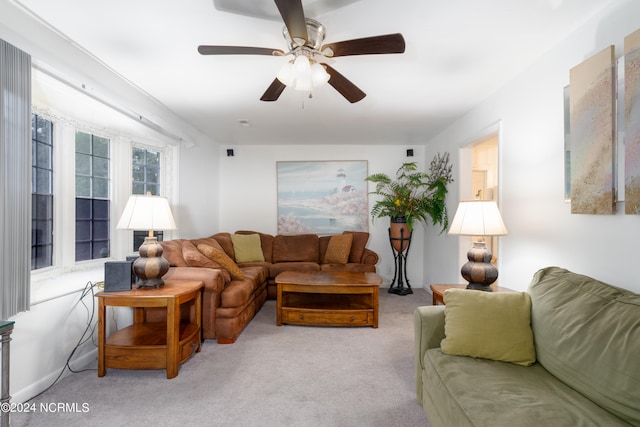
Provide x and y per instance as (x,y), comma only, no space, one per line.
(478,218)
(148,213)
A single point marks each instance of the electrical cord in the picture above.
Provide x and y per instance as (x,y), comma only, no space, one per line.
(88,289)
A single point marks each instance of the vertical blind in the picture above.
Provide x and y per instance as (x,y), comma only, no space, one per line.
(15,180)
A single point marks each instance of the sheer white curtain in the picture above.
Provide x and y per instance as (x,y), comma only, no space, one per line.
(15,180)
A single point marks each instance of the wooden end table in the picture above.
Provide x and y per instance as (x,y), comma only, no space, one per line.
(326,298)
(438,291)
(150,345)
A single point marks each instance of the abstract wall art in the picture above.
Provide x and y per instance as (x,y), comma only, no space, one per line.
(632,123)
(592,107)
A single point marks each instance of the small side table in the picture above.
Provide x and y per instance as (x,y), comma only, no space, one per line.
(438,291)
(150,345)
(6,327)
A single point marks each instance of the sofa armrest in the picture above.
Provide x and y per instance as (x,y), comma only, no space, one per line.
(369,257)
(212,278)
(211,296)
(428,326)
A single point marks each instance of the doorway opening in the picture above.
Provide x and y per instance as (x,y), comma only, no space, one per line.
(479,180)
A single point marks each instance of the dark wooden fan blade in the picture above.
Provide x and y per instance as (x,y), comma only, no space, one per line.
(273,92)
(390,43)
(238,50)
(347,89)
(293,17)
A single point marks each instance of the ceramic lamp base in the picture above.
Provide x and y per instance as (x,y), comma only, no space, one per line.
(479,271)
(150,265)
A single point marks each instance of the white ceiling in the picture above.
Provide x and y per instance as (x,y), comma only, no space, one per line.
(458,52)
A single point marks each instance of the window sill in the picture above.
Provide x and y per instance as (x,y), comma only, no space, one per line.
(55,283)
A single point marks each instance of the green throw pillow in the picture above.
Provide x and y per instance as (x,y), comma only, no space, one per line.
(247,247)
(489,325)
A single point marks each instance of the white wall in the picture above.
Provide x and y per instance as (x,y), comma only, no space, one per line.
(198,210)
(45,336)
(542,231)
(248,191)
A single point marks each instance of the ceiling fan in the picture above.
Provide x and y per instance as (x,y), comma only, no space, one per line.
(310,66)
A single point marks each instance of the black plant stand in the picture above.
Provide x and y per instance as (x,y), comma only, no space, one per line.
(400,261)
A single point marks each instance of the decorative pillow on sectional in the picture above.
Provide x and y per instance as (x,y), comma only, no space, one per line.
(207,241)
(338,249)
(266,241)
(223,259)
(194,258)
(489,325)
(247,247)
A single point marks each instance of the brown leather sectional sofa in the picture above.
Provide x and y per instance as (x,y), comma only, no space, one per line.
(235,291)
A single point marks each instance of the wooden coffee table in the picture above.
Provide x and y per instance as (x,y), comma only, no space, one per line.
(326,298)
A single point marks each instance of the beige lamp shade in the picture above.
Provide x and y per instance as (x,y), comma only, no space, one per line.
(478,218)
(147,213)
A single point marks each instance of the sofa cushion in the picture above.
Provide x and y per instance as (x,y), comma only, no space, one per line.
(247,247)
(302,267)
(490,325)
(338,249)
(266,241)
(464,391)
(351,266)
(360,239)
(239,291)
(587,334)
(301,247)
(223,260)
(172,252)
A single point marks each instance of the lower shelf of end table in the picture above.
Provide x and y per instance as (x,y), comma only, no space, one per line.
(144,346)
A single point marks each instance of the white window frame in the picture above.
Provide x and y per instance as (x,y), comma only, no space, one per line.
(54,281)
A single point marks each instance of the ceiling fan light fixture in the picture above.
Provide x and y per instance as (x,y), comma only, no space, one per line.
(287,74)
(319,75)
(302,64)
(303,82)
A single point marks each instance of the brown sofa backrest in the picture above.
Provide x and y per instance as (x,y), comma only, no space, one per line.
(224,239)
(301,247)
(172,252)
(360,239)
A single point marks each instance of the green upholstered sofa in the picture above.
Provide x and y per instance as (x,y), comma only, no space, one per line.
(587,373)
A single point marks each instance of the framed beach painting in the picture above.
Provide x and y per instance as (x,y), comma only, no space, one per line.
(323,197)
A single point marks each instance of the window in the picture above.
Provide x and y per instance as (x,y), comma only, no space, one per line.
(92,197)
(145,167)
(146,171)
(41,192)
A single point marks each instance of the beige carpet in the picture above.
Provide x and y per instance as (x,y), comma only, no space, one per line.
(272,376)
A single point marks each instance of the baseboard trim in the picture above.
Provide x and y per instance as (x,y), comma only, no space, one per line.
(82,362)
